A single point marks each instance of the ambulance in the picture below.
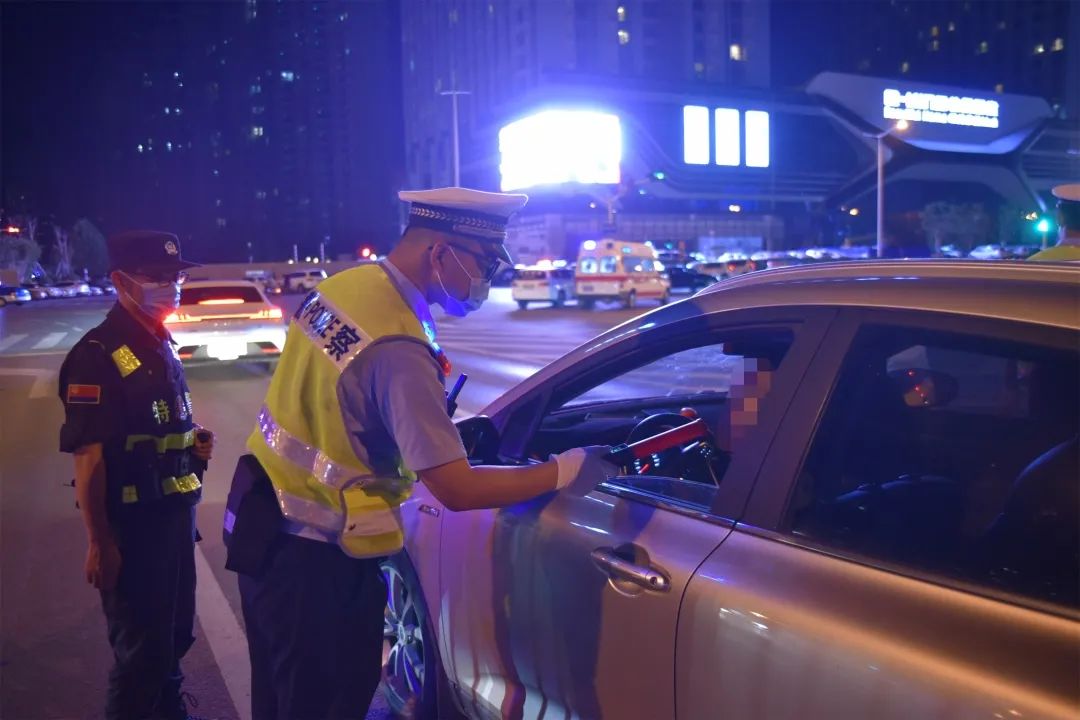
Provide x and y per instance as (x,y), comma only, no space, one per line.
(618,270)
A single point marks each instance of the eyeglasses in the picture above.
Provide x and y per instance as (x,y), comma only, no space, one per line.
(492,266)
(178,278)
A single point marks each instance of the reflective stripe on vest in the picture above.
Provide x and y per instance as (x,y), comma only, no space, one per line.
(310,458)
(188,483)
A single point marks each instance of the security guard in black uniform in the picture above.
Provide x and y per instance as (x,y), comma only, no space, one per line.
(139,460)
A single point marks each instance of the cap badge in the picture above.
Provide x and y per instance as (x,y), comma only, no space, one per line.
(170,247)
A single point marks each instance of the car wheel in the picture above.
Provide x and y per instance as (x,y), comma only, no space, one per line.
(630,300)
(665,298)
(560,299)
(522,304)
(414,682)
(588,303)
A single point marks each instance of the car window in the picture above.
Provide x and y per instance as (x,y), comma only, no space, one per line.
(953,454)
(588,266)
(531,275)
(609,264)
(219,295)
(639,264)
(724,383)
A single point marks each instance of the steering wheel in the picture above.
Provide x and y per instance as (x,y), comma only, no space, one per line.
(671,460)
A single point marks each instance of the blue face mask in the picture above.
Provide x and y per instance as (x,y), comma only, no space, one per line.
(478,293)
(155,299)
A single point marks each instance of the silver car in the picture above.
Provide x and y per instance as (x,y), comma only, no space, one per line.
(874,513)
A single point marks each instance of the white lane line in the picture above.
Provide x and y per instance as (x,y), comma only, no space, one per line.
(10,340)
(227,640)
(44,384)
(49,341)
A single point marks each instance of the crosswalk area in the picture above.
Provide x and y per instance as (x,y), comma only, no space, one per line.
(34,343)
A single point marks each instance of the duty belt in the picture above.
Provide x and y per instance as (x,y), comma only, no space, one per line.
(170,485)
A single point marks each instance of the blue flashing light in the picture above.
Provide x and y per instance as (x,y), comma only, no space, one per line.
(1043,225)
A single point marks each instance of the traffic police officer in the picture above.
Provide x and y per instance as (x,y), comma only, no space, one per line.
(139,459)
(356,411)
(1068,246)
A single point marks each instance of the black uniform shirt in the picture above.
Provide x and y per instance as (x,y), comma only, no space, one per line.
(122,384)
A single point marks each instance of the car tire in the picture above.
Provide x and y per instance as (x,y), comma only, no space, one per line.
(665,298)
(523,304)
(588,303)
(421,692)
(560,299)
(630,300)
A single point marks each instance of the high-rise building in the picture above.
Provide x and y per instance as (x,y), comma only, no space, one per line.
(1027,48)
(498,52)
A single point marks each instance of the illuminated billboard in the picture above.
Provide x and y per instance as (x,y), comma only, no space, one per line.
(730,146)
(560,146)
(942,109)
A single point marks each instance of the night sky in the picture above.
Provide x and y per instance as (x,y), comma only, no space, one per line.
(74,108)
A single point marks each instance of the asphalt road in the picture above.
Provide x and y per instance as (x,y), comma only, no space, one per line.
(53,652)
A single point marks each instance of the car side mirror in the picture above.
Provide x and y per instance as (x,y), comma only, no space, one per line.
(480,438)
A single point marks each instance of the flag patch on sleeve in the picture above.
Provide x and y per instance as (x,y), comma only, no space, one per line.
(84,394)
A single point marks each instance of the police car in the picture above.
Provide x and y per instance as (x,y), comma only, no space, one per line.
(226,321)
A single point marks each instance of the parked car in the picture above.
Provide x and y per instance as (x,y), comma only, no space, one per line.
(14,295)
(103,284)
(542,284)
(225,321)
(37,292)
(991,251)
(683,280)
(845,535)
(302,280)
(74,288)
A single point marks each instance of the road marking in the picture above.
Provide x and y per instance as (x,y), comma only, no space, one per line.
(228,643)
(10,340)
(43,385)
(49,341)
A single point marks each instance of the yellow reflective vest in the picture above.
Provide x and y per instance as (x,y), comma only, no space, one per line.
(300,438)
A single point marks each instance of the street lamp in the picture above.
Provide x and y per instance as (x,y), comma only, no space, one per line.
(457,156)
(901,126)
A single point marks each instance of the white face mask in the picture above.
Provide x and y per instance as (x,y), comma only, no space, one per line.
(478,293)
(155,299)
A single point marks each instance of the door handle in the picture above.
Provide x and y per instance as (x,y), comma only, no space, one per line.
(429,510)
(622,569)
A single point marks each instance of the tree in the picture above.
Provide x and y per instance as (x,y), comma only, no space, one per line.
(18,252)
(63,254)
(89,249)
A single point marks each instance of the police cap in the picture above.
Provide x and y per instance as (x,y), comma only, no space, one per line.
(475,214)
(150,252)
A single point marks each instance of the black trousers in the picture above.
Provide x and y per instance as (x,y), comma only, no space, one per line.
(314,622)
(151,612)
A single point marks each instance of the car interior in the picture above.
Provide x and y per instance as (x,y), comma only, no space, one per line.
(954,467)
(657,398)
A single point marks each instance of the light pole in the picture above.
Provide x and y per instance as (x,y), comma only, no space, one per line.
(457,153)
(901,125)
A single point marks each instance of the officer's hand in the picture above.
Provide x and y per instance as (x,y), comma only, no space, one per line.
(103,564)
(204,448)
(582,469)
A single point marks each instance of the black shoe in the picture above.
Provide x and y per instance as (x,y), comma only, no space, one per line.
(176,708)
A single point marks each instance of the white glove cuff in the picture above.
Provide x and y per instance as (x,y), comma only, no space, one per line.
(569,464)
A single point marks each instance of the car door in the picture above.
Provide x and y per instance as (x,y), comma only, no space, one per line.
(567,606)
(910,548)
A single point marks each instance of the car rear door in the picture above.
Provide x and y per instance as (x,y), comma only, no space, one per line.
(910,546)
(567,606)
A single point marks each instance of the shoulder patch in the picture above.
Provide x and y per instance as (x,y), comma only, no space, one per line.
(83,394)
(125,360)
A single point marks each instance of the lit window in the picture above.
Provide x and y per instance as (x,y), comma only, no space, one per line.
(999,88)
(1059,45)
(736,52)
(255,89)
(905,66)
(935,31)
(984,47)
(256,131)
(1040,49)
(620,12)
(728,147)
(453,16)
(1002,25)
(699,68)
(624,37)
(695,135)
(139,147)
(177,111)
(757,139)
(343,17)
(288,75)
(734,208)
(221,222)
(176,75)
(935,46)
(168,146)
(952,26)
(168,109)
(260,194)
(217,203)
